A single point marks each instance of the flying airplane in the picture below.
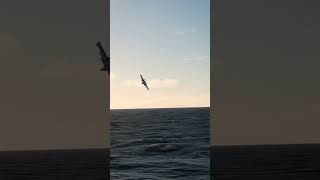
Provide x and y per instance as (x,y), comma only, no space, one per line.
(144,82)
(104,58)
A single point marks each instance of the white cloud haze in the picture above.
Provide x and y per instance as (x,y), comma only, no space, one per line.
(112,76)
(153,84)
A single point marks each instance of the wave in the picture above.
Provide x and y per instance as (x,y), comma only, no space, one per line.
(161,147)
(140,141)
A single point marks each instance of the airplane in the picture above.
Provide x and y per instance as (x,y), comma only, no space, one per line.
(144,82)
(104,58)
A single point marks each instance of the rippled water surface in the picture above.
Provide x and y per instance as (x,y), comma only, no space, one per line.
(160,144)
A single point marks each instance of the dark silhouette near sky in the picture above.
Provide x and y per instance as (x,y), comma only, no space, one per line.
(144,82)
(104,58)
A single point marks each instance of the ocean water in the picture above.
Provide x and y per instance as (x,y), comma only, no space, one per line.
(154,144)
(82,164)
(266,162)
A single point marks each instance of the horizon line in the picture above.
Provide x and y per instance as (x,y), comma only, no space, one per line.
(161,108)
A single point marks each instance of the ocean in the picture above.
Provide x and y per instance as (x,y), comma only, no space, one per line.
(154,144)
(266,162)
(81,164)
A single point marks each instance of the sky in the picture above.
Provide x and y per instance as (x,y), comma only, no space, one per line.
(166,41)
(266,72)
(53,95)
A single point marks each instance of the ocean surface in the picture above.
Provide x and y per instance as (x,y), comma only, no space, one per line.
(154,144)
(266,162)
(82,164)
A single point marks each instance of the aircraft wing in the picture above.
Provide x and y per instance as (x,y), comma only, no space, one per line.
(144,82)
(146,86)
(104,58)
(102,52)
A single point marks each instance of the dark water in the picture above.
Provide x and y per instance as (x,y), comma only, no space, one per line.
(160,144)
(54,165)
(266,162)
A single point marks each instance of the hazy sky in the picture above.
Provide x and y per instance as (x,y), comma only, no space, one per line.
(166,41)
(53,95)
(266,71)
